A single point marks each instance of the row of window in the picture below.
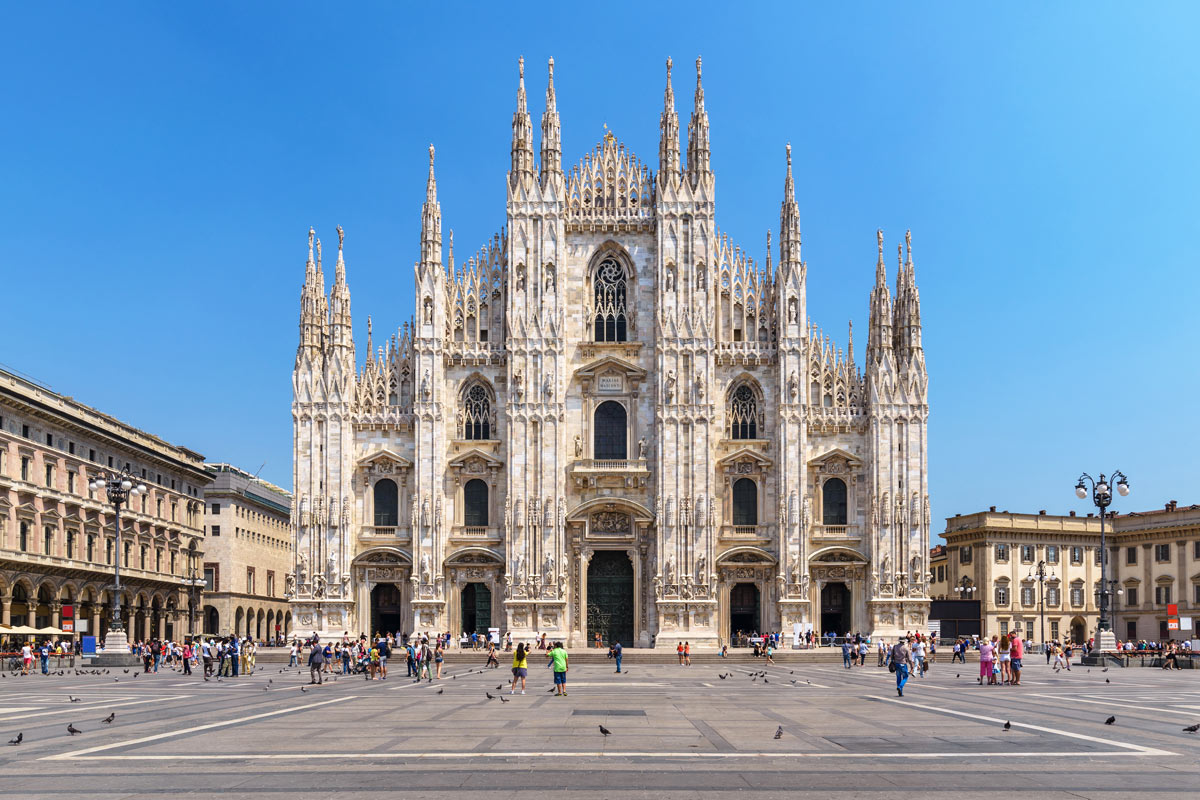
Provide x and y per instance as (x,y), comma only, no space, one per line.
(25,544)
(62,444)
(475,503)
(1162,595)
(250,514)
(1028,552)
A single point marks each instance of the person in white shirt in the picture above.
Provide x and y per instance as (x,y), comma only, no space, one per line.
(26,658)
(918,653)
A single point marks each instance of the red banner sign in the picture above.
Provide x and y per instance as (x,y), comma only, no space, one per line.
(1172,609)
(68,612)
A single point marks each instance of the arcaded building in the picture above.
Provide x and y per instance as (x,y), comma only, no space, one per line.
(611,419)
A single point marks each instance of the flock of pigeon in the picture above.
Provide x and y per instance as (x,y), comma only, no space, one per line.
(754,677)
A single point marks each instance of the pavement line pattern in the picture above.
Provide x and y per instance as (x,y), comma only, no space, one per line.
(1136,748)
(96,705)
(170,734)
(1118,704)
(636,754)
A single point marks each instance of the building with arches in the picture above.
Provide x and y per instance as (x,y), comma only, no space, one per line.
(247,526)
(58,538)
(610,418)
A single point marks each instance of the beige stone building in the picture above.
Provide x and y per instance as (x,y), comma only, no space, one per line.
(1157,559)
(611,419)
(939,585)
(247,554)
(58,538)
(997,552)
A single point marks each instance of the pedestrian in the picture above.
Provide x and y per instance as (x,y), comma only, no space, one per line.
(427,660)
(617,650)
(899,662)
(206,655)
(558,662)
(770,651)
(985,662)
(492,660)
(439,657)
(724,651)
(345,659)
(1017,651)
(26,658)
(520,668)
(187,658)
(1005,659)
(316,662)
(918,654)
(679,652)
(293,653)
(846,653)
(411,659)
(384,652)
(687,654)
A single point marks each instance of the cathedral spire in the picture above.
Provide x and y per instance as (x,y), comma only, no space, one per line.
(340,331)
(850,346)
(789,219)
(312,297)
(370,342)
(668,141)
(431,221)
(698,152)
(879,332)
(907,313)
(770,272)
(522,137)
(551,167)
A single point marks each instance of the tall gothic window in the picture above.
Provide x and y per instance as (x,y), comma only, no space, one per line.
(611,319)
(745,502)
(610,438)
(477,413)
(386,503)
(833,501)
(743,413)
(475,503)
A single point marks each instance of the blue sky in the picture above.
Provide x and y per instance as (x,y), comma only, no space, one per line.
(162,164)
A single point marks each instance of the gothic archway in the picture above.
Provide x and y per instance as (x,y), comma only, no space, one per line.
(610,601)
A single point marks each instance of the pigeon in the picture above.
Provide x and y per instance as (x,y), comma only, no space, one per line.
(791,672)
(1007,726)
(71,729)
(440,691)
(721,676)
(501,686)
(779,732)
(136,674)
(605,731)
(108,720)
(1104,670)
(1110,720)
(1192,728)
(266,688)
(490,696)
(20,738)
(548,691)
(765,680)
(118,680)
(1106,680)
(126,672)
(269,681)
(503,699)
(303,689)
(74,699)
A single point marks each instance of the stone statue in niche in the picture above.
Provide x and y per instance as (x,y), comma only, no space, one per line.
(519,383)
(548,388)
(700,386)
(302,569)
(319,585)
(642,447)
(669,569)
(289,584)
(792,313)
(670,386)
(578,446)
(519,568)
(426,390)
(548,568)
(793,385)
(428,311)
(669,282)
(702,570)
(426,574)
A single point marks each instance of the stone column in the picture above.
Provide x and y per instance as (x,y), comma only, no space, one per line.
(55,614)
(94,626)
(162,624)
(31,617)
(635,558)
(145,624)
(6,610)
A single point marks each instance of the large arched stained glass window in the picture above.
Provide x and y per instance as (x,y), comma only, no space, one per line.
(610,440)
(743,413)
(477,413)
(611,321)
(745,502)
(833,502)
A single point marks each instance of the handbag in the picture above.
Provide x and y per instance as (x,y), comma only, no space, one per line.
(891,666)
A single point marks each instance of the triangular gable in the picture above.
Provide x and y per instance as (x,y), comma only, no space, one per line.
(834,454)
(745,454)
(382,456)
(610,364)
(462,459)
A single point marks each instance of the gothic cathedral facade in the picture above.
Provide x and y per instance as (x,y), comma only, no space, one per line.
(610,420)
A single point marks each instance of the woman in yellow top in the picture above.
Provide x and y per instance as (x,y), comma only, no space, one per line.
(373,662)
(520,668)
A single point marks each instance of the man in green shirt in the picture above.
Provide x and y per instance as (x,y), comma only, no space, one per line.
(558,660)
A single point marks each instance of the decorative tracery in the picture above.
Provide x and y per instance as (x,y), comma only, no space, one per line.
(743,413)
(477,413)
(609,310)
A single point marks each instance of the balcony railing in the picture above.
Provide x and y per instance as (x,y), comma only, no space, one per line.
(475,532)
(745,531)
(383,532)
(611,465)
(836,532)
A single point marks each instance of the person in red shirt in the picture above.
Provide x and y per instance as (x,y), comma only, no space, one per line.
(1017,651)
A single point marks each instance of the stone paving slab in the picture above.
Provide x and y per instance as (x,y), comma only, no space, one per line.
(675,732)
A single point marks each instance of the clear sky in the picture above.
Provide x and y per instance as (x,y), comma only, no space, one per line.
(162,163)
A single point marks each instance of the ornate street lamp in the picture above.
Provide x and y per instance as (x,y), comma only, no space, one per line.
(1102,499)
(1040,574)
(120,487)
(965,588)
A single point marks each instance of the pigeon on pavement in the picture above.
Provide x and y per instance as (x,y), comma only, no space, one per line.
(1007,726)
(605,731)
(490,696)
(71,729)
(20,738)
(779,732)
(1110,720)
(108,720)
(1192,728)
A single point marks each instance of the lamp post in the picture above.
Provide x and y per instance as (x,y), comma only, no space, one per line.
(192,582)
(1102,498)
(965,588)
(119,487)
(1040,574)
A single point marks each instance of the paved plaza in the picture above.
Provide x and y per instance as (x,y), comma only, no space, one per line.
(675,732)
